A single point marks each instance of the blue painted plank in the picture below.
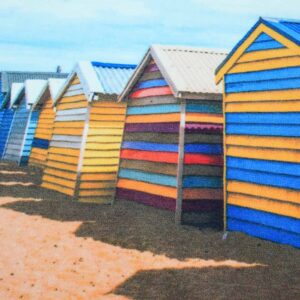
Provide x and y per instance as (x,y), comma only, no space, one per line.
(264,178)
(264,232)
(263,218)
(153,109)
(263,37)
(258,86)
(148,177)
(205,107)
(204,148)
(282,73)
(202,182)
(264,118)
(276,167)
(264,45)
(40,143)
(150,146)
(151,83)
(263,130)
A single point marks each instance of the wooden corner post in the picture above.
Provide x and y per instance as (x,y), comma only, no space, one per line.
(180,165)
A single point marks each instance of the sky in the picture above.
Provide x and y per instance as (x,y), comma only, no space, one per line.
(40,35)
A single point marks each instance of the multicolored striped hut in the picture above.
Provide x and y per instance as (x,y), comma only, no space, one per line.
(84,150)
(261,79)
(171,153)
(19,141)
(43,133)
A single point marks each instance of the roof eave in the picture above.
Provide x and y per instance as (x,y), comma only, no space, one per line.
(199,96)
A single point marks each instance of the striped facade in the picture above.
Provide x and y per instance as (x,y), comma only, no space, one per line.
(262,136)
(172,148)
(7,116)
(84,149)
(21,134)
(43,133)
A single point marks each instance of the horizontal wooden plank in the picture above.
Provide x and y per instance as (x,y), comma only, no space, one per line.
(71,124)
(150,92)
(104,138)
(70,131)
(276,193)
(148,188)
(153,109)
(153,127)
(171,138)
(65,151)
(96,199)
(203,159)
(107,104)
(204,118)
(263,141)
(73,105)
(102,146)
(105,131)
(169,99)
(60,173)
(202,193)
(61,166)
(106,161)
(71,112)
(100,168)
(203,170)
(259,153)
(58,188)
(98,177)
(101,154)
(98,185)
(109,110)
(103,192)
(63,158)
(106,124)
(56,180)
(116,118)
(268,205)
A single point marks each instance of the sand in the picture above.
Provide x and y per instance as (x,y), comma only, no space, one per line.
(54,248)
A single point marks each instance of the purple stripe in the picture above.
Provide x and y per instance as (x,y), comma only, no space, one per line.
(152,68)
(146,199)
(203,128)
(152,127)
(202,206)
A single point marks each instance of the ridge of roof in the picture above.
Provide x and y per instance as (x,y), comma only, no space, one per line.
(112,65)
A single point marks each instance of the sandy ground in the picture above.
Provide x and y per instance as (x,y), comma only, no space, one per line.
(54,248)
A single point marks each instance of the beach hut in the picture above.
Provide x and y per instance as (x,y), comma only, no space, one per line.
(261,78)
(171,154)
(43,133)
(19,141)
(84,149)
(7,113)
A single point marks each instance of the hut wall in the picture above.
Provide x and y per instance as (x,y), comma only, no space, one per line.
(98,174)
(43,134)
(13,149)
(262,143)
(203,157)
(6,122)
(149,153)
(60,173)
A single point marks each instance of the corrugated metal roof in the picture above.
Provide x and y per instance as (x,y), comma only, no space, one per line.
(113,77)
(188,70)
(8,77)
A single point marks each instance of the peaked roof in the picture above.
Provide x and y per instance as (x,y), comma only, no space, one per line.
(8,77)
(286,27)
(102,79)
(16,89)
(188,70)
(31,89)
(53,85)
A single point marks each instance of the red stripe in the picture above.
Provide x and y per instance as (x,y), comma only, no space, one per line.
(159,91)
(155,156)
(202,159)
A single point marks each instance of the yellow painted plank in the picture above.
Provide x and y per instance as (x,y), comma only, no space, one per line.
(264,191)
(157,118)
(262,141)
(73,105)
(73,99)
(105,131)
(98,185)
(70,124)
(38,157)
(98,177)
(269,64)
(271,206)
(100,154)
(64,151)
(204,118)
(263,96)
(107,104)
(100,161)
(62,166)
(97,199)
(277,106)
(266,54)
(95,117)
(39,151)
(58,188)
(62,174)
(260,153)
(63,182)
(98,169)
(106,125)
(150,188)
(103,192)
(109,110)
(75,81)
(102,146)
(44,136)
(63,158)
(104,139)
(68,131)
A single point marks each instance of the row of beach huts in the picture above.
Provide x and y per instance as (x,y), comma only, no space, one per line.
(188,129)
